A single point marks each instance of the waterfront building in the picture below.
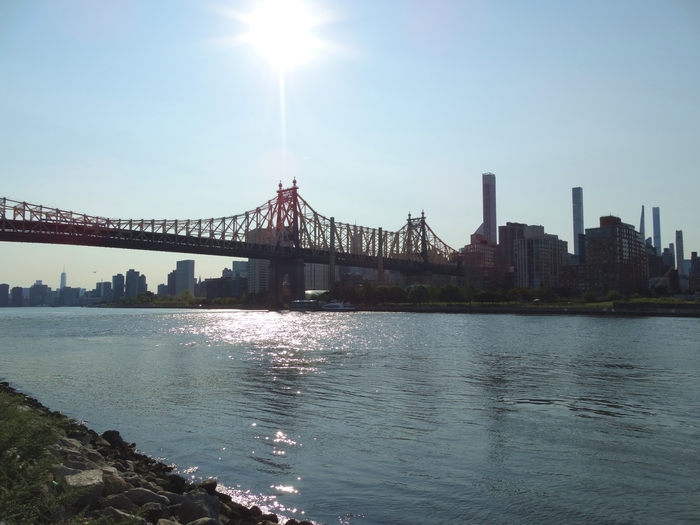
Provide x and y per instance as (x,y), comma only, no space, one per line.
(616,260)
(171,283)
(485,266)
(39,294)
(240,269)
(577,203)
(4,295)
(117,286)
(694,273)
(142,286)
(538,257)
(680,259)
(184,277)
(131,286)
(68,296)
(507,235)
(668,257)
(258,275)
(63,279)
(657,230)
(489,206)
(258,270)
(17,296)
(103,290)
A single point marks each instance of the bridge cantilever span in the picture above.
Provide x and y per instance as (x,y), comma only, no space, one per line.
(285,228)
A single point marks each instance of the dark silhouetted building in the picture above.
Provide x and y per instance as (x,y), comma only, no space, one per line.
(142,286)
(68,296)
(184,277)
(507,235)
(117,287)
(577,202)
(656,216)
(17,296)
(538,257)
(489,202)
(484,265)
(4,295)
(131,286)
(39,294)
(616,260)
(680,257)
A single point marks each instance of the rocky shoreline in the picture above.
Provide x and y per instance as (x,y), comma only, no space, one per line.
(113,481)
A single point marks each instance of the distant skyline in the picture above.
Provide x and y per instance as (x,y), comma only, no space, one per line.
(143,110)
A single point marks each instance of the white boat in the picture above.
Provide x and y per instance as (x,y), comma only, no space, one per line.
(338,306)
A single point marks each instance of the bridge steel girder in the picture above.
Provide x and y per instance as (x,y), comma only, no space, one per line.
(283,229)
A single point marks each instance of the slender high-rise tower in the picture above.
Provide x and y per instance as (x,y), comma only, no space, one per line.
(577,200)
(657,230)
(642,229)
(489,189)
(63,279)
(680,261)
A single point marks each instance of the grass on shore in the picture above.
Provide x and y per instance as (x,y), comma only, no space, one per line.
(28,493)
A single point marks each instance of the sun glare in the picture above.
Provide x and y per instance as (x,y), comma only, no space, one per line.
(279,29)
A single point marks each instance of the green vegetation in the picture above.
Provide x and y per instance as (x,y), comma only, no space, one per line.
(28,492)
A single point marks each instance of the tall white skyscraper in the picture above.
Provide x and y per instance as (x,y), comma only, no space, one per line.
(63,279)
(680,261)
(657,230)
(577,201)
(489,194)
(184,277)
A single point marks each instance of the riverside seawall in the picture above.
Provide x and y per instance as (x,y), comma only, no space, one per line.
(616,310)
(116,483)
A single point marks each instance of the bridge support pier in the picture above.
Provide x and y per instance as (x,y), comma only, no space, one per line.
(380,258)
(294,269)
(296,280)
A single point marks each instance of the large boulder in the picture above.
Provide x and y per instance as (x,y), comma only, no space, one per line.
(141,496)
(119,502)
(209,485)
(113,482)
(87,484)
(174,498)
(155,511)
(114,438)
(199,504)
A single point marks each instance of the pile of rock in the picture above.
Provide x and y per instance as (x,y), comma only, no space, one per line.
(112,480)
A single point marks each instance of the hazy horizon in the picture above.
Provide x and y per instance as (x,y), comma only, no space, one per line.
(146,110)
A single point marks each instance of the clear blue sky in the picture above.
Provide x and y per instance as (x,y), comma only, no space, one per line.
(132,109)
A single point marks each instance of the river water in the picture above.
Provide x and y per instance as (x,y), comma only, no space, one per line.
(376,418)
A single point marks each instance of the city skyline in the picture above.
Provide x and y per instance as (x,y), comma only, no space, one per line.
(129,111)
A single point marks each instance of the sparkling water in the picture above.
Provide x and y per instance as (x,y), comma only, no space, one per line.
(383,418)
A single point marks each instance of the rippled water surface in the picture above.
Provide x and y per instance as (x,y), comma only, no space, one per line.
(388,418)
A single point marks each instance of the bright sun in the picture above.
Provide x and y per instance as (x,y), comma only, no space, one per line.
(279,29)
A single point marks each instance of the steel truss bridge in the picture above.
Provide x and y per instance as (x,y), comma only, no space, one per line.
(285,230)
